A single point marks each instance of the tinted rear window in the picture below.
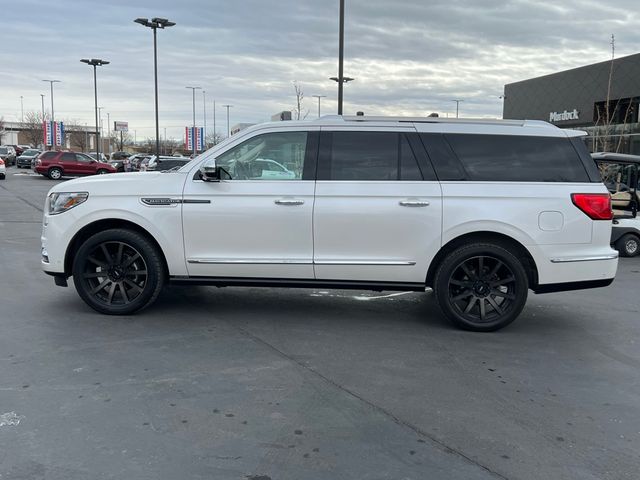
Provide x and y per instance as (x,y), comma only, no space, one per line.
(48,155)
(514,158)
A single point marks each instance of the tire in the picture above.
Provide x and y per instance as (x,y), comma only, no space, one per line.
(118,272)
(1,176)
(481,287)
(628,245)
(55,173)
(102,171)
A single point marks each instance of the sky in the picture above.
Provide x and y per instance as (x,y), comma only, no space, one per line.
(408,57)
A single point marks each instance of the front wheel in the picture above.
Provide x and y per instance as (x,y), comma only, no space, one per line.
(481,287)
(102,172)
(628,245)
(118,272)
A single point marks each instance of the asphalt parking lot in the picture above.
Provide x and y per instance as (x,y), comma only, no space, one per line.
(306,384)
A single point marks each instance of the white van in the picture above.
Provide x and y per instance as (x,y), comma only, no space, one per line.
(480,211)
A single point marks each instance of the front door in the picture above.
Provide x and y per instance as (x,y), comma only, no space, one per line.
(378,213)
(258,224)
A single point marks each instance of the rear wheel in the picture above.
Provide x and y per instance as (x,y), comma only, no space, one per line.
(55,173)
(481,287)
(118,272)
(628,245)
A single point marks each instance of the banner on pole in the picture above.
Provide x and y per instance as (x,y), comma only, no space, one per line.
(53,134)
(190,136)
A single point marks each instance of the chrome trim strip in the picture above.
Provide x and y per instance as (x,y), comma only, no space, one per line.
(160,201)
(193,200)
(259,261)
(364,262)
(249,261)
(610,256)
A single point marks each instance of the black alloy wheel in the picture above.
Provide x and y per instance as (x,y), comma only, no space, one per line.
(481,287)
(118,272)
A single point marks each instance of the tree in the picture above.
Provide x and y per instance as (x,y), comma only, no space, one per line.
(2,130)
(213,138)
(298,107)
(78,135)
(32,128)
(120,139)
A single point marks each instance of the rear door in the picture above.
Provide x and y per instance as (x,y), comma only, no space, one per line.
(69,163)
(378,213)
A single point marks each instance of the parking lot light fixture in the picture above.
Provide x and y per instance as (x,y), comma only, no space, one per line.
(155,24)
(96,62)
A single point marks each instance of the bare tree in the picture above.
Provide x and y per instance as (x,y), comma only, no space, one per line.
(213,138)
(2,129)
(32,128)
(78,135)
(120,139)
(298,107)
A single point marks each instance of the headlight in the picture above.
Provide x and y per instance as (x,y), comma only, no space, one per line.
(63,201)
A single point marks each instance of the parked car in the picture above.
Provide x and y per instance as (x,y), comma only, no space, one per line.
(18,149)
(55,165)
(621,175)
(103,158)
(163,163)
(478,211)
(3,170)
(8,154)
(117,164)
(136,159)
(119,155)
(27,156)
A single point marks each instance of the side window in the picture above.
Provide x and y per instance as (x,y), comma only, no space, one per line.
(68,157)
(270,156)
(367,156)
(444,162)
(517,158)
(82,158)
(47,155)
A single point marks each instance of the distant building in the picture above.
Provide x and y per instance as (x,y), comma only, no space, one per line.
(77,137)
(577,98)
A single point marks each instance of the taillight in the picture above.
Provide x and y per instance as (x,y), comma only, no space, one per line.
(38,162)
(1,161)
(596,206)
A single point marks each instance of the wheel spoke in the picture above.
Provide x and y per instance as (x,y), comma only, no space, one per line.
(100,286)
(107,255)
(499,293)
(119,254)
(133,286)
(483,309)
(96,261)
(470,305)
(495,305)
(466,294)
(123,291)
(136,272)
(502,281)
(130,260)
(495,269)
(112,290)
(480,266)
(94,274)
(468,272)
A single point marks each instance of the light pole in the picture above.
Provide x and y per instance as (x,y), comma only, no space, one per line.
(42,99)
(52,82)
(457,105)
(109,133)
(318,97)
(193,134)
(101,129)
(21,110)
(228,129)
(155,24)
(204,114)
(214,123)
(341,79)
(340,85)
(94,62)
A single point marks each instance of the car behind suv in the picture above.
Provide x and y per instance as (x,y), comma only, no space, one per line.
(8,154)
(478,211)
(57,164)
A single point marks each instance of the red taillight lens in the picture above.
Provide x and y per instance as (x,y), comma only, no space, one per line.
(1,161)
(597,206)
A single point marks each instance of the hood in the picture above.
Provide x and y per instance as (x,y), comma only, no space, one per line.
(126,184)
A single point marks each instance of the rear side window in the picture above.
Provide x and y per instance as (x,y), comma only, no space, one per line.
(48,155)
(515,158)
(367,156)
(68,157)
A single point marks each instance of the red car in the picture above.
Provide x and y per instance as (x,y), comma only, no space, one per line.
(56,164)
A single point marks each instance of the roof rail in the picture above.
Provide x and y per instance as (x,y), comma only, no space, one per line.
(477,121)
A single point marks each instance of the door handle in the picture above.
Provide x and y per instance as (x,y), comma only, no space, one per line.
(289,202)
(413,203)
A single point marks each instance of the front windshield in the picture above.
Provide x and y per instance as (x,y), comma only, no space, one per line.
(4,150)
(31,153)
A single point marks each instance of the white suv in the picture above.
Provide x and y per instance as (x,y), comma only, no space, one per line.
(480,211)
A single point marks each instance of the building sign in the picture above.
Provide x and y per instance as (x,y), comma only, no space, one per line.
(189,135)
(564,116)
(120,126)
(53,133)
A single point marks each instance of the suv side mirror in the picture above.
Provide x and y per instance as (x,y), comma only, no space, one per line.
(213,173)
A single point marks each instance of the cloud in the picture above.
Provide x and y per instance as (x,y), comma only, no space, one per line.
(408,57)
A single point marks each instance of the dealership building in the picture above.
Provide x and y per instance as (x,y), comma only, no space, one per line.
(577,99)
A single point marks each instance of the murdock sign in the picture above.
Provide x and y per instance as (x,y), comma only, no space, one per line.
(563,116)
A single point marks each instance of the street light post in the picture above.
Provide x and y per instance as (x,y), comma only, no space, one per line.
(204,114)
(214,123)
(94,62)
(457,105)
(42,99)
(193,135)
(51,82)
(341,59)
(21,110)
(228,128)
(318,97)
(154,24)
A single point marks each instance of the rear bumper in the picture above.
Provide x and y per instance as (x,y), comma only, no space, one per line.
(568,286)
